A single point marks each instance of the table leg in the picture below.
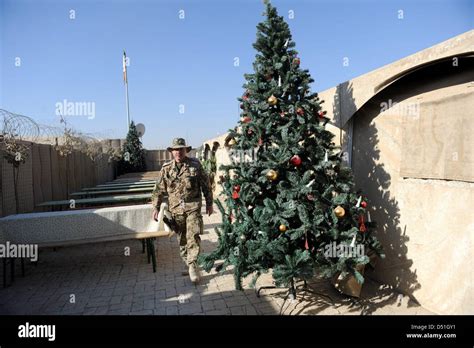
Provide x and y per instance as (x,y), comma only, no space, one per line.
(153,255)
(148,250)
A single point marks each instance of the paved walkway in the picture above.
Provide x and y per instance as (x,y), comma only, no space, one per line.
(101,279)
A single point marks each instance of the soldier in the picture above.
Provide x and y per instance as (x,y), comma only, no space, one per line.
(183,179)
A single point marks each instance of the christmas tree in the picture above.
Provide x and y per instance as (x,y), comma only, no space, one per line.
(133,155)
(289,204)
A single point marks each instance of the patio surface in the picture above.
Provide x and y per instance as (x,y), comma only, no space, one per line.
(102,280)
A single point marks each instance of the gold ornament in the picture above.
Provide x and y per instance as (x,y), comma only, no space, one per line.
(272,100)
(272,175)
(339,211)
(282,228)
(231,142)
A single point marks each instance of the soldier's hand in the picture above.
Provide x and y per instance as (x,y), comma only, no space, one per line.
(154,215)
(209,210)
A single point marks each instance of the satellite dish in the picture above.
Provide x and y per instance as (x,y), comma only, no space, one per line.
(140,129)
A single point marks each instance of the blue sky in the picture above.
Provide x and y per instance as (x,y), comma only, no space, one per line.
(190,61)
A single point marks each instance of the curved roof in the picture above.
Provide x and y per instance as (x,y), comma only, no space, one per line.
(362,88)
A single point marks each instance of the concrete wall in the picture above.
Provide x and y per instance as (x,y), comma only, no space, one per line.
(155,159)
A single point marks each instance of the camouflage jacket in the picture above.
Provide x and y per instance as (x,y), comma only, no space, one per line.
(183,187)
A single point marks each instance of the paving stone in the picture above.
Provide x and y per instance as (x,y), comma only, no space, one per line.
(250,310)
(115,299)
(232,302)
(219,304)
(171,292)
(172,310)
(189,308)
(149,304)
(121,306)
(107,292)
(102,310)
(160,294)
(137,306)
(207,306)
(239,310)
(142,312)
(159,311)
(225,311)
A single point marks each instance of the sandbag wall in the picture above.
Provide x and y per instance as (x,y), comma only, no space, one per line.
(47,176)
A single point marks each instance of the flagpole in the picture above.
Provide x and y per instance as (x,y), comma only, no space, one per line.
(125,79)
(128,108)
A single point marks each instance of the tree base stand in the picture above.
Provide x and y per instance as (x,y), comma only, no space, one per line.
(291,292)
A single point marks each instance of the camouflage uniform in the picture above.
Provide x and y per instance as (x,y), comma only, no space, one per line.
(183,187)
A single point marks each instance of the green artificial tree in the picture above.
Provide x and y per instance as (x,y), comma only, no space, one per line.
(133,155)
(294,198)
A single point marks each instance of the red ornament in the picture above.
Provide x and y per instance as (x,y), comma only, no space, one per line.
(296,61)
(237,188)
(321,113)
(300,111)
(363,204)
(362,227)
(235,195)
(250,132)
(306,245)
(246,119)
(310,197)
(245,96)
(295,160)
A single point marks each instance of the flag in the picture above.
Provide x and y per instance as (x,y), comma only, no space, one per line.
(124,67)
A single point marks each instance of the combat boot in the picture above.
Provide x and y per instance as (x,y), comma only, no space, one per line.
(194,273)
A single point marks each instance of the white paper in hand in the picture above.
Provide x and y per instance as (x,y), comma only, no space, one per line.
(161,225)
